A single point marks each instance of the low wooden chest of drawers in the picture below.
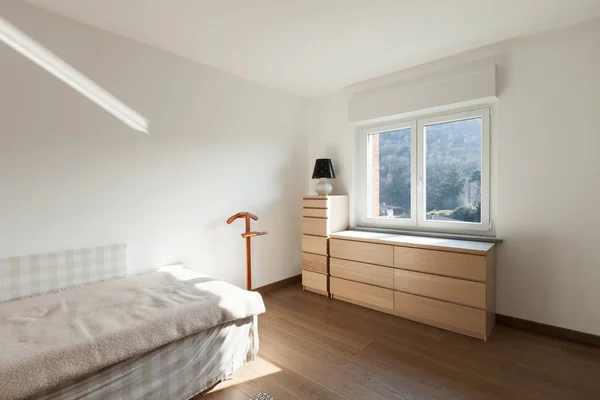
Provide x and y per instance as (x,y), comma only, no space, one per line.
(445,283)
(321,215)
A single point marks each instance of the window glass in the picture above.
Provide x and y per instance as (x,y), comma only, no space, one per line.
(390,174)
(453,162)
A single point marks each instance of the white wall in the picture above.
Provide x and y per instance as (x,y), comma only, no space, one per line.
(71,175)
(547,170)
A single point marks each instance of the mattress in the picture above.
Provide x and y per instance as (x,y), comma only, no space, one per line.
(177,371)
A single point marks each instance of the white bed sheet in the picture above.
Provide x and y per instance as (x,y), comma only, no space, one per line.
(177,371)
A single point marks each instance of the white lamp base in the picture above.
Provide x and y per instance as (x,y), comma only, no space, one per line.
(323,188)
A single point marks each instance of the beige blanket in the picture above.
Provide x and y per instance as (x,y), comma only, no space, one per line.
(57,337)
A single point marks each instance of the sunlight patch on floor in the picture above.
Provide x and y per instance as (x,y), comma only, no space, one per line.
(248,372)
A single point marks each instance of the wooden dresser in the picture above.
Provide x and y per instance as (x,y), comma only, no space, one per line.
(321,215)
(445,283)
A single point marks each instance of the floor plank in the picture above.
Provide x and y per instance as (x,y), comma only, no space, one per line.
(297,385)
(314,348)
(395,389)
(227,393)
(326,370)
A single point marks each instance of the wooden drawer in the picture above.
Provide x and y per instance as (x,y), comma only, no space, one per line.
(458,265)
(315,202)
(457,291)
(314,262)
(363,273)
(314,244)
(315,226)
(361,294)
(315,212)
(466,320)
(371,253)
(315,281)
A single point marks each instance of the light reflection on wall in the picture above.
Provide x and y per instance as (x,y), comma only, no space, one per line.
(29,48)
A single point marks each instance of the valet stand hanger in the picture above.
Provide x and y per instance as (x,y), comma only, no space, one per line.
(247,235)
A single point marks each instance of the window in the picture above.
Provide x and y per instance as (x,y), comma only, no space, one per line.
(430,173)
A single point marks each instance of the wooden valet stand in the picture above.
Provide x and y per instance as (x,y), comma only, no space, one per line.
(247,235)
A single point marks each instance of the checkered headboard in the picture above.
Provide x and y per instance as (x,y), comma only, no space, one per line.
(30,275)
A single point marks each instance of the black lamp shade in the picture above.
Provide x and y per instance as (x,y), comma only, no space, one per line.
(323,169)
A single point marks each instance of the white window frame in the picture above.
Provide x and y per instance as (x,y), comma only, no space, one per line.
(417,220)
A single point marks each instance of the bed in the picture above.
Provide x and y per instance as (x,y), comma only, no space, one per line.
(176,359)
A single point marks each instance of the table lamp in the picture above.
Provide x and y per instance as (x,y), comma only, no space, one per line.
(323,171)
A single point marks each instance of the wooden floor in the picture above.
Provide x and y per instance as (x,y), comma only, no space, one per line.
(312,347)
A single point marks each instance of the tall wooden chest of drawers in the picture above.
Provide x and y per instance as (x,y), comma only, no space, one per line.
(321,215)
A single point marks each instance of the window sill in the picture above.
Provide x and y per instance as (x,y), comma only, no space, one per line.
(439,235)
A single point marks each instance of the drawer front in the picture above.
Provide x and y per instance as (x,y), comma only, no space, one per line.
(457,291)
(314,244)
(315,226)
(371,253)
(364,295)
(362,273)
(315,203)
(314,262)
(466,320)
(314,280)
(315,212)
(458,265)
